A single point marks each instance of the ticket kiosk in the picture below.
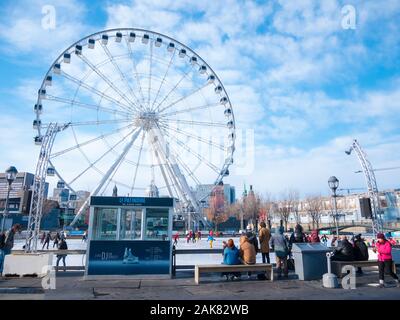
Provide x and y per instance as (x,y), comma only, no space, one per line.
(130,236)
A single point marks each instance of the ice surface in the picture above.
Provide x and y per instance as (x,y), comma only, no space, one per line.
(181,259)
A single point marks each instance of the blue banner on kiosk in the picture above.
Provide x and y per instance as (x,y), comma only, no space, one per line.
(129,257)
(132,201)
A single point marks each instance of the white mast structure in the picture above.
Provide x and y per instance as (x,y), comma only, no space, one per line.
(377,223)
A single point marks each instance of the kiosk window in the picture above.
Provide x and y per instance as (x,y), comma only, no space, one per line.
(105,224)
(156,226)
(131,224)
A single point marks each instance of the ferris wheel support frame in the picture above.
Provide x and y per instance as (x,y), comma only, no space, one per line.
(107,175)
(160,146)
(377,223)
(36,209)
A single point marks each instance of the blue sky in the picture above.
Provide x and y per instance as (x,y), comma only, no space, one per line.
(305,85)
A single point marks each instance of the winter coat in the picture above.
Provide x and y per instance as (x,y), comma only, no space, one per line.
(280,245)
(314,238)
(264,236)
(384,251)
(62,246)
(231,256)
(360,251)
(297,236)
(247,252)
(344,251)
(253,240)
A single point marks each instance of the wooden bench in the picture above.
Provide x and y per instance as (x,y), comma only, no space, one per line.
(263,267)
(338,265)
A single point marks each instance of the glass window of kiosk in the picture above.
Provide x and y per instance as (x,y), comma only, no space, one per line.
(131,224)
(156,224)
(105,224)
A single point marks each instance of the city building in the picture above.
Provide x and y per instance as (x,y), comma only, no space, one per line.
(203,193)
(348,207)
(20,194)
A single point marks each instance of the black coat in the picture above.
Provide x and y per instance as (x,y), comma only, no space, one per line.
(344,251)
(360,251)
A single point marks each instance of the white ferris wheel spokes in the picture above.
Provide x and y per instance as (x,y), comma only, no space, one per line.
(138,108)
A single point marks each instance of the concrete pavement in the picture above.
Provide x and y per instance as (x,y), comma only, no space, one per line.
(72,286)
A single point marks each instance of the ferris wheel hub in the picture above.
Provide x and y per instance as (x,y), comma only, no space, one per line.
(146,120)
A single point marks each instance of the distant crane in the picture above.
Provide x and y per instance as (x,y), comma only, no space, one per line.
(380,169)
(348,189)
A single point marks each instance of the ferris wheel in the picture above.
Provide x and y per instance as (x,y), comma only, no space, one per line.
(134,109)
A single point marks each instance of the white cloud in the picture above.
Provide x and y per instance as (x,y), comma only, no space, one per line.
(22,30)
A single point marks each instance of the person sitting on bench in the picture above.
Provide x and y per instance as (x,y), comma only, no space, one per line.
(360,251)
(247,252)
(231,257)
(344,251)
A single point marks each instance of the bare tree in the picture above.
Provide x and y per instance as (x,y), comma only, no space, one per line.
(289,205)
(293,199)
(252,206)
(216,214)
(314,209)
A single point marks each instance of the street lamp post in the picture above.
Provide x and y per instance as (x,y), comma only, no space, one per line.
(11,174)
(333,183)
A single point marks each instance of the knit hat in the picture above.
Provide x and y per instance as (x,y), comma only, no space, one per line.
(380,236)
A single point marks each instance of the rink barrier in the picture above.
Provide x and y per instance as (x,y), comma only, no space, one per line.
(190,251)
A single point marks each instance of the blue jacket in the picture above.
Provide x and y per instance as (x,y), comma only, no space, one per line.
(231,256)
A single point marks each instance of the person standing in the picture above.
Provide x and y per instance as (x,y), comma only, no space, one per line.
(42,237)
(62,246)
(314,238)
(385,260)
(176,238)
(324,240)
(360,251)
(298,236)
(264,235)
(84,237)
(56,240)
(211,239)
(281,248)
(252,237)
(47,240)
(8,243)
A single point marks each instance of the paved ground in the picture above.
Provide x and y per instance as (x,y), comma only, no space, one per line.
(71,286)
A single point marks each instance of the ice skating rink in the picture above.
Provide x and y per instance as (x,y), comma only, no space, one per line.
(181,259)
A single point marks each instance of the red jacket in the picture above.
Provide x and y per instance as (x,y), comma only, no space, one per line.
(384,251)
(314,238)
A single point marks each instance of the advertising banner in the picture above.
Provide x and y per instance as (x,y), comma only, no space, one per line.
(129,257)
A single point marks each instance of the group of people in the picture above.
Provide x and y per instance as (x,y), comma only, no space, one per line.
(191,235)
(249,245)
(7,243)
(46,237)
(356,250)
